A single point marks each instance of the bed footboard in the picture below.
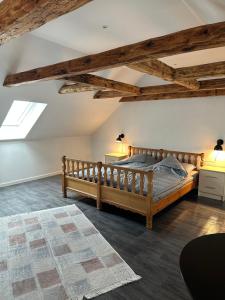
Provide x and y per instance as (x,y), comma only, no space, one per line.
(81,176)
(126,188)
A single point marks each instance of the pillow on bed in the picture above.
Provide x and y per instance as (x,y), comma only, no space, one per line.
(134,158)
(151,160)
(174,164)
(188,167)
(143,158)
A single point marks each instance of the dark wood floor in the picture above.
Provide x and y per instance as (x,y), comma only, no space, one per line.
(152,254)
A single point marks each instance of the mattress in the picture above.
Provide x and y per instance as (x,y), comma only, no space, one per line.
(168,187)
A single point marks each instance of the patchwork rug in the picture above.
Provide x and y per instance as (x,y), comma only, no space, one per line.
(57,254)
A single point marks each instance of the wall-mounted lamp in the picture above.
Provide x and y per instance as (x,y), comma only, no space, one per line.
(120,138)
(218,146)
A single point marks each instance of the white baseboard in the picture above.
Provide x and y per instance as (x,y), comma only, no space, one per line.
(14,182)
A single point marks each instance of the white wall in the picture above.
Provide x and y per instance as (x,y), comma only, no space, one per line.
(26,160)
(188,125)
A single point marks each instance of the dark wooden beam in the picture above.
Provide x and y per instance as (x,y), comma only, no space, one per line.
(174,88)
(99,82)
(159,69)
(109,94)
(198,38)
(76,88)
(20,16)
(206,70)
(166,88)
(167,96)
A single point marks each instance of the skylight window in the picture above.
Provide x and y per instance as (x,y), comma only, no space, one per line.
(20,119)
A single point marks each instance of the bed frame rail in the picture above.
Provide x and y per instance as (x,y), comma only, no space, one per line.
(113,175)
(103,183)
(79,171)
(128,195)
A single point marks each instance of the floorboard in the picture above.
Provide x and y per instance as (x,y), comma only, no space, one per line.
(152,254)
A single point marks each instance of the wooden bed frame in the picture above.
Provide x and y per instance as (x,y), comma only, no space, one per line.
(103,189)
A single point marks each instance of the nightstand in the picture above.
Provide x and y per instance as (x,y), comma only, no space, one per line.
(212,182)
(111,157)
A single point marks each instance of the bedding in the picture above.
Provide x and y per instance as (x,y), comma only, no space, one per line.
(189,167)
(134,158)
(165,181)
(169,175)
(137,158)
(172,164)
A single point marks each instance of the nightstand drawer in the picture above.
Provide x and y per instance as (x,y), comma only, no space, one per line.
(212,183)
(207,175)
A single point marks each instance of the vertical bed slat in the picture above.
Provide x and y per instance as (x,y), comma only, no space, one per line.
(88,171)
(105,175)
(141,192)
(126,180)
(73,168)
(93,172)
(99,174)
(118,179)
(82,164)
(78,169)
(111,176)
(133,182)
(67,166)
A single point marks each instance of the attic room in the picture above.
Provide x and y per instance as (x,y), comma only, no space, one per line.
(112,161)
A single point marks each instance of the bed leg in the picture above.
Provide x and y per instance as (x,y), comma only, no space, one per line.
(149,222)
(64,189)
(99,204)
(64,193)
(149,214)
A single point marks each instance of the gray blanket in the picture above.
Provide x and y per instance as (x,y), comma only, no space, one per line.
(167,177)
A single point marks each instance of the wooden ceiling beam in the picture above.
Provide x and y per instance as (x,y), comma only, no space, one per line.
(206,70)
(109,94)
(100,82)
(20,16)
(168,96)
(193,39)
(166,88)
(174,88)
(159,69)
(77,88)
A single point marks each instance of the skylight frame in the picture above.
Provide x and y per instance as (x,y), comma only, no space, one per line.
(24,121)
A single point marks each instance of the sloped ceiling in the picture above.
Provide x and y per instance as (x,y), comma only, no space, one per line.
(82,32)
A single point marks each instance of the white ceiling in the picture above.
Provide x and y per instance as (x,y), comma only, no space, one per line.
(80,33)
(131,21)
(128,21)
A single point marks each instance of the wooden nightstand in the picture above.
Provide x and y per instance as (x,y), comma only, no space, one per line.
(111,157)
(212,182)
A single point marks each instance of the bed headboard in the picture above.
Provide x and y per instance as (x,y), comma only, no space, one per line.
(192,158)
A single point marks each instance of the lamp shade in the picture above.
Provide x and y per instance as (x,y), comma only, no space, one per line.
(218,146)
(120,138)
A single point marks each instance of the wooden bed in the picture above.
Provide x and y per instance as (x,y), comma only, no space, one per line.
(76,176)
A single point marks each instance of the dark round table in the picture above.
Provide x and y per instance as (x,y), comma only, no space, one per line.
(202,264)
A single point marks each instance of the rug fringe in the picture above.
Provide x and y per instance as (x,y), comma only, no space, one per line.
(96,293)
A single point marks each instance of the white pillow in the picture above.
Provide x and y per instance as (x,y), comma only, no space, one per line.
(188,167)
